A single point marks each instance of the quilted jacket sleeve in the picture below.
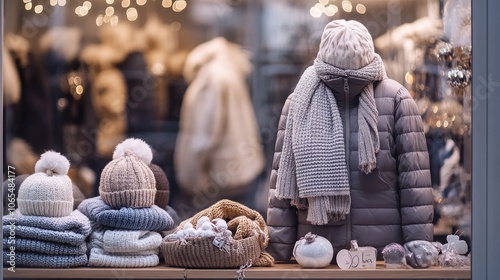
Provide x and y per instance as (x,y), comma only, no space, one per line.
(414,178)
(281,216)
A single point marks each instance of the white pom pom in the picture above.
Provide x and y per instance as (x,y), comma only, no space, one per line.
(207,234)
(221,225)
(201,221)
(187,226)
(191,232)
(134,146)
(181,234)
(52,163)
(207,226)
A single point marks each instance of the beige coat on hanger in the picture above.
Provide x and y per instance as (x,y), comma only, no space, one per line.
(218,148)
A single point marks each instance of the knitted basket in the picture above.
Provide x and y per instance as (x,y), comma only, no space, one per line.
(201,253)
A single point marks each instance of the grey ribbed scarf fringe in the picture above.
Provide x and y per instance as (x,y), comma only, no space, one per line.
(312,164)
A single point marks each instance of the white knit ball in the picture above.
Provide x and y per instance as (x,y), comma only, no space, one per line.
(221,225)
(191,232)
(135,146)
(207,226)
(187,226)
(206,233)
(181,234)
(52,163)
(201,221)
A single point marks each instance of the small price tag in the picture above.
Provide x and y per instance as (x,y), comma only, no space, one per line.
(219,242)
(363,257)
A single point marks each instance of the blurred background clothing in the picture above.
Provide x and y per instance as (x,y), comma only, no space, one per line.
(196,78)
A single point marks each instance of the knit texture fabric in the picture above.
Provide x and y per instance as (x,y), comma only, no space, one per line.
(242,221)
(100,258)
(28,259)
(162,186)
(150,218)
(368,139)
(346,45)
(51,242)
(127,182)
(127,241)
(72,229)
(45,247)
(312,163)
(78,196)
(201,253)
(49,191)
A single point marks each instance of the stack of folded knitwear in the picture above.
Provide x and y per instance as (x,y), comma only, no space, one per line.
(44,231)
(126,224)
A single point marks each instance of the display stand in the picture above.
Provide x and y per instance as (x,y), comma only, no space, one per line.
(278,271)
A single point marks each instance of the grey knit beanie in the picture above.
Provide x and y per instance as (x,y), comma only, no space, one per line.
(162,186)
(127,181)
(346,44)
(49,191)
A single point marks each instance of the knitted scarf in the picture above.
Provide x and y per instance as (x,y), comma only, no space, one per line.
(313,164)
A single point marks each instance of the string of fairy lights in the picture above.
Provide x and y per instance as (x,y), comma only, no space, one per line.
(110,14)
(331,7)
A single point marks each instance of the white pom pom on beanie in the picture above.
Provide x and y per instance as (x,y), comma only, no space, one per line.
(346,45)
(49,191)
(127,181)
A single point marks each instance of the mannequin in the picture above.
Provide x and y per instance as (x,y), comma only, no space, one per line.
(351,160)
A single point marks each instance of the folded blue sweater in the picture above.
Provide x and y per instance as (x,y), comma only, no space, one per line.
(71,229)
(150,218)
(45,247)
(28,259)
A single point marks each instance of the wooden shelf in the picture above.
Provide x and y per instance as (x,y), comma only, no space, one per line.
(159,272)
(294,271)
(278,271)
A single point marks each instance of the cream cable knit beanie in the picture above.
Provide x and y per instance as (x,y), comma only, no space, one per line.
(346,45)
(127,181)
(49,191)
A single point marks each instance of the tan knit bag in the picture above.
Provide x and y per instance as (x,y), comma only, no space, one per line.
(250,238)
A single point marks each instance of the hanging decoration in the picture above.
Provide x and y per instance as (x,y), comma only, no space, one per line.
(459,77)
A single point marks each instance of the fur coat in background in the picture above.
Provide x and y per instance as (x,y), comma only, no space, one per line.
(218,148)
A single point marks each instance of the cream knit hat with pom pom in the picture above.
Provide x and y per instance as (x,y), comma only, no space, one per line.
(49,191)
(127,181)
(346,45)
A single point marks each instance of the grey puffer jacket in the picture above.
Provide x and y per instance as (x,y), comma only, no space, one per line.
(391,204)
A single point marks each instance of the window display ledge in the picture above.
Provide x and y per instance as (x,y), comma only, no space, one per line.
(278,271)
